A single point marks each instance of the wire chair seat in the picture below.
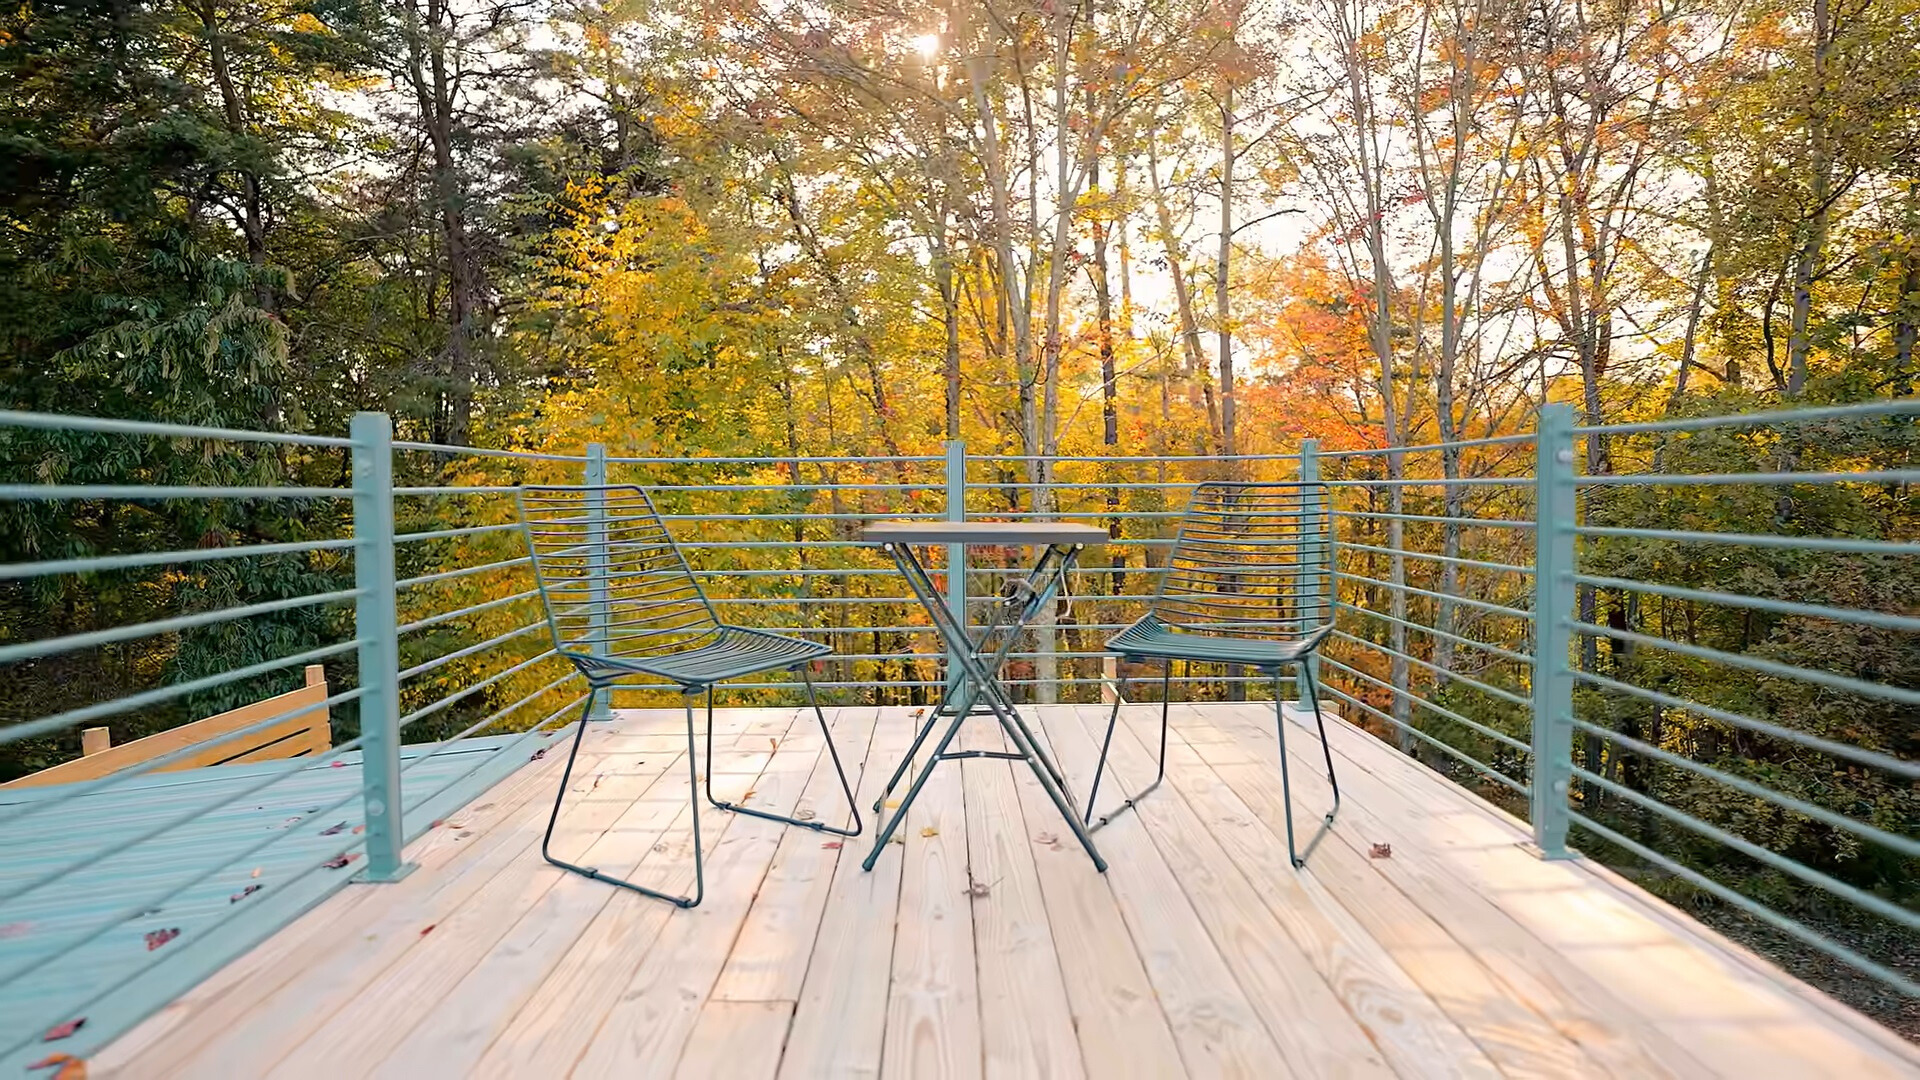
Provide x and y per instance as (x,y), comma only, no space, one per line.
(733,652)
(1150,638)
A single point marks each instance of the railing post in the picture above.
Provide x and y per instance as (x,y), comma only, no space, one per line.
(1553,570)
(956,553)
(596,482)
(377,626)
(1314,552)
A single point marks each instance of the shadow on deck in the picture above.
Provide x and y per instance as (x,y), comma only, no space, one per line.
(985,943)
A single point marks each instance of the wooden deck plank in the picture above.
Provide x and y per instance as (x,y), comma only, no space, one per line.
(736,1040)
(840,1022)
(298,989)
(1351,887)
(351,1035)
(1413,1032)
(1199,953)
(1121,1028)
(933,1002)
(452,1037)
(1217,1028)
(1316,1033)
(769,961)
(1644,988)
(565,1011)
(1026,1021)
(649,1020)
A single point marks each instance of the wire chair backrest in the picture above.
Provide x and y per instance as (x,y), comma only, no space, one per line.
(613,581)
(1251,560)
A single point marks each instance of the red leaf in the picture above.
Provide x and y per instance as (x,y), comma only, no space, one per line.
(1381,851)
(339,861)
(338,765)
(157,938)
(831,845)
(244,893)
(61,1031)
(436,823)
(51,1060)
(14,929)
(428,929)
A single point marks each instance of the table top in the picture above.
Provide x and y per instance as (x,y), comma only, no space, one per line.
(1010,533)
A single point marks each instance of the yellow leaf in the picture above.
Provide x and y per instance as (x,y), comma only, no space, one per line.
(929,831)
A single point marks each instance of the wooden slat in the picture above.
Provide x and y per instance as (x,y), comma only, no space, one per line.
(1026,1020)
(1402,975)
(307,733)
(840,1022)
(451,1038)
(1218,1030)
(565,1012)
(933,1006)
(342,933)
(1315,1032)
(769,961)
(1656,989)
(735,1040)
(1121,1028)
(352,1030)
(655,1011)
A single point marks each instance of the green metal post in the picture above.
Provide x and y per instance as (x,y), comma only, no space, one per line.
(1553,569)
(1311,586)
(377,625)
(956,553)
(596,482)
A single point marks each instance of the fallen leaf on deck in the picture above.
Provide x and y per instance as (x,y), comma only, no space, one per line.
(748,795)
(979,889)
(456,824)
(157,938)
(334,829)
(773,744)
(436,823)
(427,929)
(61,1031)
(339,861)
(256,872)
(358,829)
(14,929)
(893,804)
(901,840)
(929,831)
(51,1060)
(73,1069)
(1381,851)
(831,845)
(538,754)
(290,823)
(338,765)
(804,815)
(244,893)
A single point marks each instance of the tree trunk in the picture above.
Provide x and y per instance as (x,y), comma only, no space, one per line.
(1229,443)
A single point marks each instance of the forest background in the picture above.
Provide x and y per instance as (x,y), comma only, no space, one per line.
(1172,230)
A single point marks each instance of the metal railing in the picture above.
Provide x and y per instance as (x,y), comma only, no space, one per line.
(1486,593)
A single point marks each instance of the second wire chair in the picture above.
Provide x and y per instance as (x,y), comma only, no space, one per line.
(622,603)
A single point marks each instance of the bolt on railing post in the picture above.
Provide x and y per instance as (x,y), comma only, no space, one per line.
(1553,569)
(377,626)
(956,553)
(1314,551)
(596,483)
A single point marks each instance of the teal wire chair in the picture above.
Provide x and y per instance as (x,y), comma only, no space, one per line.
(1249,583)
(622,604)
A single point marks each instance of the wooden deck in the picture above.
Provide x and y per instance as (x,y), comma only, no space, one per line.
(986,944)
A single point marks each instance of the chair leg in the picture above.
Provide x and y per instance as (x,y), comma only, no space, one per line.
(566,776)
(1296,856)
(845,786)
(1166,702)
